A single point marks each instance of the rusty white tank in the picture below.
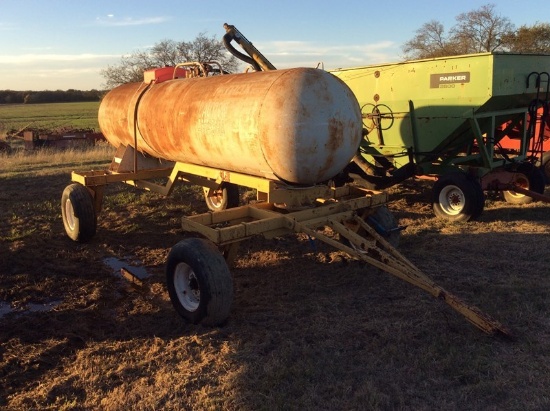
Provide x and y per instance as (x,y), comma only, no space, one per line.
(300,125)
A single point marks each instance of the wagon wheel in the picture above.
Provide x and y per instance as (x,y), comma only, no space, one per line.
(199,282)
(529,177)
(225,196)
(78,213)
(457,197)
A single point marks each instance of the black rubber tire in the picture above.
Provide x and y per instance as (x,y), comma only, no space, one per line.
(78,213)
(534,182)
(227,196)
(199,282)
(545,167)
(480,195)
(457,197)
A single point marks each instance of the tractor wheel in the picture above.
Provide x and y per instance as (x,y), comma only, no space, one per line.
(529,177)
(457,197)
(199,282)
(77,210)
(226,196)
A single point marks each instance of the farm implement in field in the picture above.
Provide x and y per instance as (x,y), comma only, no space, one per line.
(198,276)
(286,134)
(448,119)
(35,140)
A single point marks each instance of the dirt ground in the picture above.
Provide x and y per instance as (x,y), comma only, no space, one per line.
(309,328)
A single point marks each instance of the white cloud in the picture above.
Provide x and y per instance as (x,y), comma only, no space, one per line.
(53,58)
(35,49)
(53,71)
(51,79)
(112,21)
(49,70)
(299,53)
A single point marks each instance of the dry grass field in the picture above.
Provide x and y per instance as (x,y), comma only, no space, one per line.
(309,329)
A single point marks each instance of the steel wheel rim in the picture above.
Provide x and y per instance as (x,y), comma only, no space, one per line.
(452,200)
(521,181)
(187,288)
(217,199)
(69,214)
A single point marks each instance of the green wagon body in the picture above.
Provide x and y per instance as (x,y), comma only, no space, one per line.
(445,110)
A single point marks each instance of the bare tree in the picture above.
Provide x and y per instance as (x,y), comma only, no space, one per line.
(481,30)
(427,42)
(529,39)
(430,41)
(476,31)
(203,49)
(165,53)
(168,53)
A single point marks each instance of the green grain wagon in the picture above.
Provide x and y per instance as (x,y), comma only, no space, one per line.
(444,117)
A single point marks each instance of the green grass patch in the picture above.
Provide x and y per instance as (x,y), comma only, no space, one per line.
(49,116)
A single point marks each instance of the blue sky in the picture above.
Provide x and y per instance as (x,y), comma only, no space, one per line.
(62,44)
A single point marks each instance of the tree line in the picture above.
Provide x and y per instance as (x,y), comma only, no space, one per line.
(56,96)
(477,31)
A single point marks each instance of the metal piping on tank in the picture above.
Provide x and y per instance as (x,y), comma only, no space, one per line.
(227,43)
(255,58)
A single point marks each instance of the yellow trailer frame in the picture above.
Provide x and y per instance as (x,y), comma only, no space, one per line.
(229,227)
(280,209)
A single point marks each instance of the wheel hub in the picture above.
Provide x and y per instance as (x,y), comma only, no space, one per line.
(217,198)
(521,181)
(452,200)
(187,287)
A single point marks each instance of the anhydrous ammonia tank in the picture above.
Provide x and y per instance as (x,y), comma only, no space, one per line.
(301,125)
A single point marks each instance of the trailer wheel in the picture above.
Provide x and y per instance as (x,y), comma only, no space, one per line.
(226,196)
(199,282)
(457,197)
(529,177)
(78,213)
